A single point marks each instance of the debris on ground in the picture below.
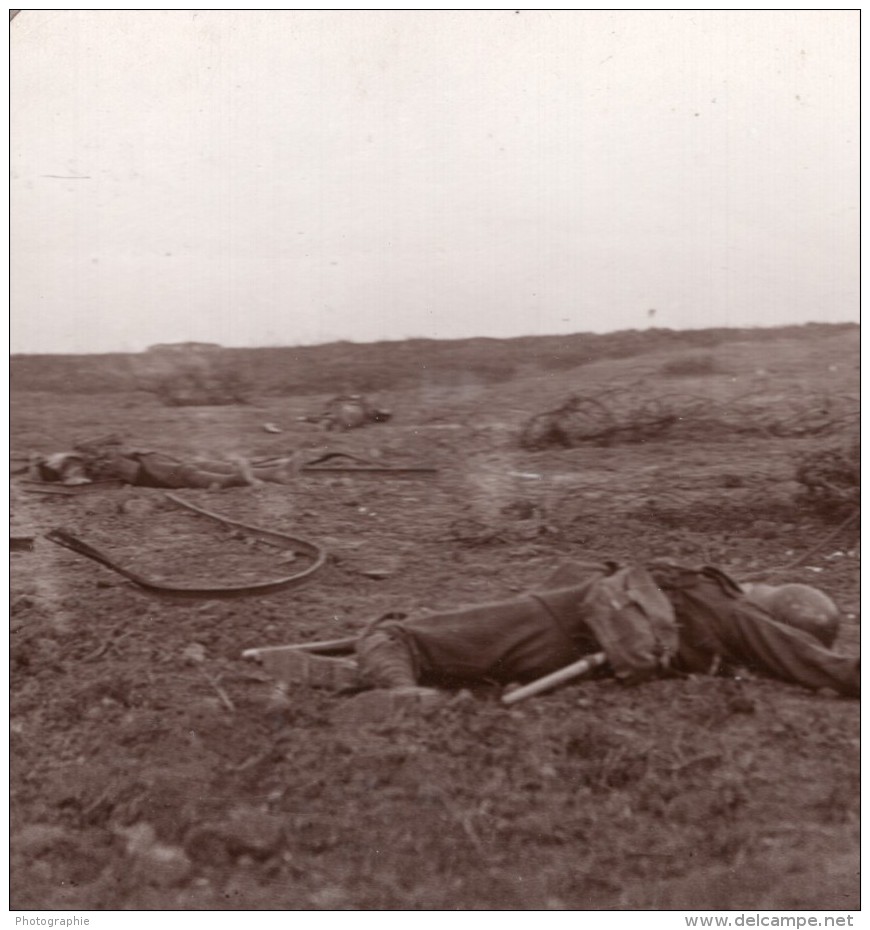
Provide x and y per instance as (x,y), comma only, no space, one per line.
(691,792)
(634,414)
(209,582)
(348,411)
(830,478)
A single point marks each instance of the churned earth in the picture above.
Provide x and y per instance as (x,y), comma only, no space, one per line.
(154,767)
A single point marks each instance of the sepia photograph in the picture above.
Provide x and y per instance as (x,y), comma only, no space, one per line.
(434,466)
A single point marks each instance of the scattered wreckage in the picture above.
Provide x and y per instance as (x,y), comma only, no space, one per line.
(637,414)
(106,463)
(334,663)
(314,553)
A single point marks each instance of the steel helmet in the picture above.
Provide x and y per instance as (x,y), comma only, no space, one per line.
(798,605)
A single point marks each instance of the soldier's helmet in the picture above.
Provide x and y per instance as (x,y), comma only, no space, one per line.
(798,605)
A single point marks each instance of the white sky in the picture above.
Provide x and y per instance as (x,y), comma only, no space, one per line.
(281,178)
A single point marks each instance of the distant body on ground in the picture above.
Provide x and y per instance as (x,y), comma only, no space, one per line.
(109,459)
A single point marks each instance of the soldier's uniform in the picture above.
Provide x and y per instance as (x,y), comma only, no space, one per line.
(145,468)
(650,620)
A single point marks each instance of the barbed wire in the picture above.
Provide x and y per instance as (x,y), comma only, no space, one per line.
(630,415)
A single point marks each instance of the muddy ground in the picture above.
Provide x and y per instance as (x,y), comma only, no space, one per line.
(153,767)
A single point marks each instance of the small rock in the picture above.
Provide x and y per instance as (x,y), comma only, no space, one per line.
(277,701)
(377,574)
(163,865)
(254,832)
(329,898)
(137,507)
(139,836)
(247,833)
(463,698)
(194,654)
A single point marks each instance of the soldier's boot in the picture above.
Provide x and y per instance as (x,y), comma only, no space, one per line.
(298,667)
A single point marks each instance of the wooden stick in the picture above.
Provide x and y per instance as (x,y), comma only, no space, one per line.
(325,646)
(225,699)
(575,670)
(369,470)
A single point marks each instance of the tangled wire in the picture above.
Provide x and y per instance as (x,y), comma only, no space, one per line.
(630,415)
(831,479)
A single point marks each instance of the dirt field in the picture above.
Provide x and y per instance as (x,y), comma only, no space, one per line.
(153,767)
